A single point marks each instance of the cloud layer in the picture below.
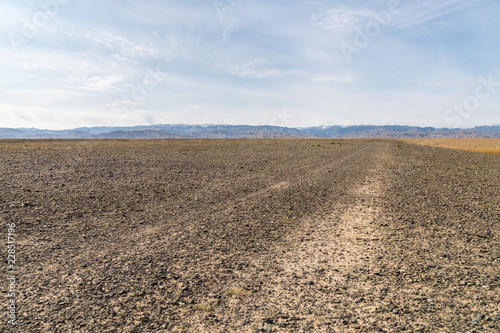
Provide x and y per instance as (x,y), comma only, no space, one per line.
(67,64)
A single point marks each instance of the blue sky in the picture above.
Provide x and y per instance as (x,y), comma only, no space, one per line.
(296,63)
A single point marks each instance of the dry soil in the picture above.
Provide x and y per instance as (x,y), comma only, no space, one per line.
(251,236)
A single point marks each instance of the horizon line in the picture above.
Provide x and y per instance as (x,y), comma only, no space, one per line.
(234,125)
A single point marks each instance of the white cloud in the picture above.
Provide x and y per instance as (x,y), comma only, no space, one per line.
(255,69)
(334,78)
(120,47)
(418,13)
(342,19)
(41,96)
(29,66)
(96,83)
(445,84)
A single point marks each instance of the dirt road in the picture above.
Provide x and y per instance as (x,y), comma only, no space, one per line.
(251,236)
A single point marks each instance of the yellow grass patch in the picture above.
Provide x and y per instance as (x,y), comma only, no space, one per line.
(203,307)
(487,146)
(238,292)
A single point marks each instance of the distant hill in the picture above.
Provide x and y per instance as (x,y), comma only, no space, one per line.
(245,131)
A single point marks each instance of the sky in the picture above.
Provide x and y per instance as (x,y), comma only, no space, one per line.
(294,63)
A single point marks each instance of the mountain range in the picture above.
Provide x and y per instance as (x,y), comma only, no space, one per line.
(181,131)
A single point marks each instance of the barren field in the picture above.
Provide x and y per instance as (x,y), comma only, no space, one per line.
(251,236)
(488,146)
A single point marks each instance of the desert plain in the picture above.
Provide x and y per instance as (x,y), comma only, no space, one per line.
(298,235)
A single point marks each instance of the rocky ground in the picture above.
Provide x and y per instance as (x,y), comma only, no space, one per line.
(251,236)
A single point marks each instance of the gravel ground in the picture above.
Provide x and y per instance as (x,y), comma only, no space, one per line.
(251,236)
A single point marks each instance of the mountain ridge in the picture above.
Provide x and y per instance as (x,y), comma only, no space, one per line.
(213,131)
